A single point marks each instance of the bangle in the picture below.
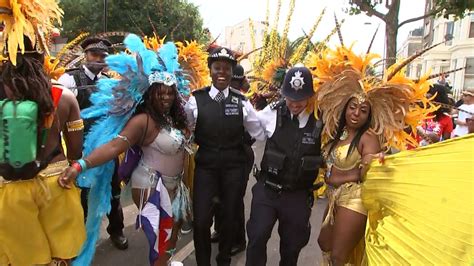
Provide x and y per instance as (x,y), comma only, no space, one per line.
(75,125)
(124,138)
(83,164)
(77,166)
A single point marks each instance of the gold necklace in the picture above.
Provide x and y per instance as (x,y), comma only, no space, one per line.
(344,135)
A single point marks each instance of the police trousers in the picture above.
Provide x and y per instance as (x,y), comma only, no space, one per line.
(214,186)
(292,209)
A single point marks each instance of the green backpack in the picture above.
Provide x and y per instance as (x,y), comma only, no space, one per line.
(18,132)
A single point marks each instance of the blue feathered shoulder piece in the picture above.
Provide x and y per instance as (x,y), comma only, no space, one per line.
(113,105)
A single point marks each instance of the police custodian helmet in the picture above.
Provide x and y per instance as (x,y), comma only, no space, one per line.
(298,84)
(238,72)
(221,53)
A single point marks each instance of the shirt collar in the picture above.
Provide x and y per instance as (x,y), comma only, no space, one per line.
(213,92)
(91,75)
(303,118)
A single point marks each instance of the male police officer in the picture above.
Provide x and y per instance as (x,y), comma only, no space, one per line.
(221,116)
(82,82)
(289,167)
(240,83)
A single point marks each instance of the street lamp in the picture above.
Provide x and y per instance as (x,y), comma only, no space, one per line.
(105,15)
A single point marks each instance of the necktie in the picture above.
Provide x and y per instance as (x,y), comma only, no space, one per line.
(219,97)
(295,121)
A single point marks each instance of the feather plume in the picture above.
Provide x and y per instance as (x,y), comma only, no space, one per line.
(399,66)
(437,75)
(373,39)
(29,18)
(339,33)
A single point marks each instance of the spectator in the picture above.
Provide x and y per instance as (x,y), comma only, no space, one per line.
(465,111)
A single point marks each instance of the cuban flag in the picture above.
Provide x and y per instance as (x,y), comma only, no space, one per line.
(156,221)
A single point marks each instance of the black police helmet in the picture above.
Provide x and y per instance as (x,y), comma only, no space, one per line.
(298,84)
(221,53)
(238,72)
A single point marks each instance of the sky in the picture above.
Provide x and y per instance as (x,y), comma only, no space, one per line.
(217,14)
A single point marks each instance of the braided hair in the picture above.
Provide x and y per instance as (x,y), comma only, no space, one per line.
(176,112)
(28,81)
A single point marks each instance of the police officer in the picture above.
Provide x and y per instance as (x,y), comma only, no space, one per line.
(221,116)
(82,82)
(289,167)
(238,82)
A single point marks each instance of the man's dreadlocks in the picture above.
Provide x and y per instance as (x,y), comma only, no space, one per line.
(28,81)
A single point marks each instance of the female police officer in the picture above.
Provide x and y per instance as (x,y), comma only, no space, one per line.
(221,115)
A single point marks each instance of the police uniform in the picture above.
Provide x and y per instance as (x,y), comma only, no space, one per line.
(239,224)
(289,166)
(82,81)
(220,160)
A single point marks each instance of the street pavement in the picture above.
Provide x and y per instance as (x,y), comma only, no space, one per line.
(137,253)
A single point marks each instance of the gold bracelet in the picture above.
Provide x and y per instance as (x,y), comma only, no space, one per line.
(75,125)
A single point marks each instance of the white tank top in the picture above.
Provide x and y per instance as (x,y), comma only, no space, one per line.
(166,153)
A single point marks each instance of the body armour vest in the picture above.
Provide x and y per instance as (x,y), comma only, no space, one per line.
(219,129)
(292,155)
(84,93)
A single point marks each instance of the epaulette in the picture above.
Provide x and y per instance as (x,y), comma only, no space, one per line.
(239,94)
(72,69)
(276,104)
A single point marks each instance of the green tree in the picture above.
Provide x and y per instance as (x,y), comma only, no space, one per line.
(392,23)
(176,19)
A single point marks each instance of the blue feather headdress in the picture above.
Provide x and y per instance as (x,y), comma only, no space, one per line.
(114,104)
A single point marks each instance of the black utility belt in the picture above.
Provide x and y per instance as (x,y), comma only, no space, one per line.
(278,187)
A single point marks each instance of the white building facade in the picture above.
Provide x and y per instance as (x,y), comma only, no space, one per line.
(455,53)
(410,46)
(239,38)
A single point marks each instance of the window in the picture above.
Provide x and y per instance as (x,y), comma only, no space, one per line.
(471,30)
(471,26)
(454,65)
(469,73)
(418,70)
(448,36)
(427,28)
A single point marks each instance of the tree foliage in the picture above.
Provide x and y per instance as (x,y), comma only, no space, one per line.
(392,24)
(176,19)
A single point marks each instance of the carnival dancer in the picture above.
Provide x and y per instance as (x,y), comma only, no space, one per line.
(33,116)
(82,81)
(220,116)
(361,115)
(143,108)
(289,167)
(239,82)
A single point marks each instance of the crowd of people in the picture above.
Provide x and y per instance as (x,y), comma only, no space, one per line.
(67,145)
